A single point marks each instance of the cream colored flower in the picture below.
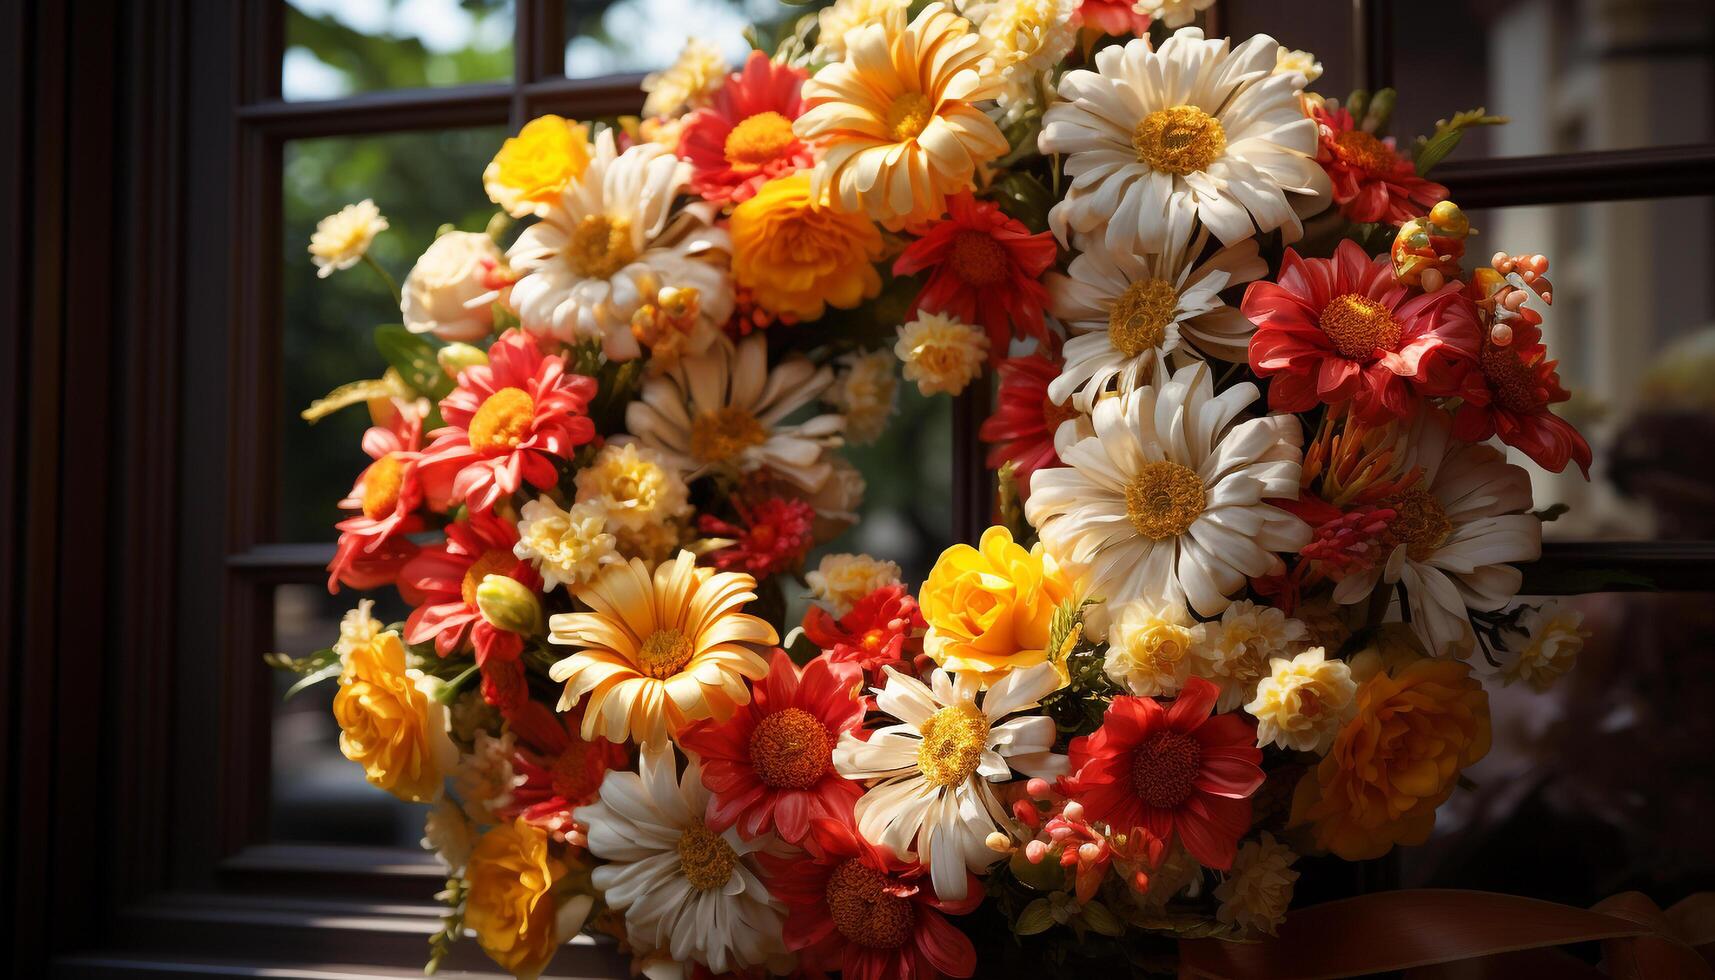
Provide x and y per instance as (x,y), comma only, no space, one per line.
(866,392)
(1192,124)
(840,580)
(1173,13)
(1028,37)
(449,834)
(611,244)
(688,83)
(567,546)
(447,293)
(634,487)
(726,409)
(1240,645)
(1303,702)
(357,628)
(940,353)
(837,502)
(341,239)
(484,779)
(1554,637)
(1302,62)
(835,22)
(1153,648)
(1258,889)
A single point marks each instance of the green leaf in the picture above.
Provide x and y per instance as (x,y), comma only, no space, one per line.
(1434,148)
(413,356)
(312,679)
(1036,917)
(1100,919)
(346,395)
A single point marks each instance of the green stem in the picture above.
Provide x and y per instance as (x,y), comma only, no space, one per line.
(392,286)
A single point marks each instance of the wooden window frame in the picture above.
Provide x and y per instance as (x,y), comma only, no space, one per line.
(134,748)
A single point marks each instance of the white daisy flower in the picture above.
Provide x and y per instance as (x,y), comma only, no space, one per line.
(1459,529)
(934,803)
(611,244)
(725,407)
(1193,123)
(1166,500)
(1127,311)
(683,888)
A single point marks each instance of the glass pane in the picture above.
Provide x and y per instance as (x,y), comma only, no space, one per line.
(1572,76)
(906,514)
(336,48)
(608,36)
(318,795)
(1633,326)
(419,181)
(1603,783)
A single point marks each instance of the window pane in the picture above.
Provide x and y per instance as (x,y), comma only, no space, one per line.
(1322,28)
(419,181)
(608,36)
(1603,783)
(1633,326)
(318,795)
(1572,76)
(336,48)
(907,516)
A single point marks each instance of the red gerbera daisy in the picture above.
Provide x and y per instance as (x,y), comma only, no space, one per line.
(744,138)
(1340,329)
(1117,17)
(447,576)
(1025,419)
(884,628)
(372,544)
(985,269)
(855,908)
(1372,182)
(1507,393)
(506,422)
(1173,770)
(559,770)
(771,536)
(772,764)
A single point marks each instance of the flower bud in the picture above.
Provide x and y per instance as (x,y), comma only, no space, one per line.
(998,842)
(508,604)
(455,357)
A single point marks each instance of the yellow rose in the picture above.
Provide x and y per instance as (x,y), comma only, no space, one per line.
(989,607)
(390,725)
(797,256)
(532,168)
(1396,760)
(510,907)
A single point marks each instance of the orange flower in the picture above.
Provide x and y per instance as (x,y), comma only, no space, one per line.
(1396,761)
(795,254)
(511,907)
(989,608)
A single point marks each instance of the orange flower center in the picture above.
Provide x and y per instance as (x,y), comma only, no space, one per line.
(908,114)
(1164,769)
(502,421)
(495,562)
(862,909)
(664,653)
(1359,327)
(790,749)
(705,858)
(1361,149)
(1164,499)
(1139,319)
(381,486)
(1180,140)
(571,777)
(1420,522)
(874,640)
(1514,385)
(600,246)
(1055,414)
(720,435)
(977,258)
(953,743)
(757,140)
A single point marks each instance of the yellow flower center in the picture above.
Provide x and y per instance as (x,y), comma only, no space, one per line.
(862,909)
(664,653)
(381,486)
(1420,523)
(1139,319)
(1362,149)
(1180,140)
(1164,499)
(600,246)
(720,435)
(705,858)
(977,258)
(953,743)
(1165,767)
(502,421)
(495,562)
(1359,326)
(790,749)
(758,139)
(908,114)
